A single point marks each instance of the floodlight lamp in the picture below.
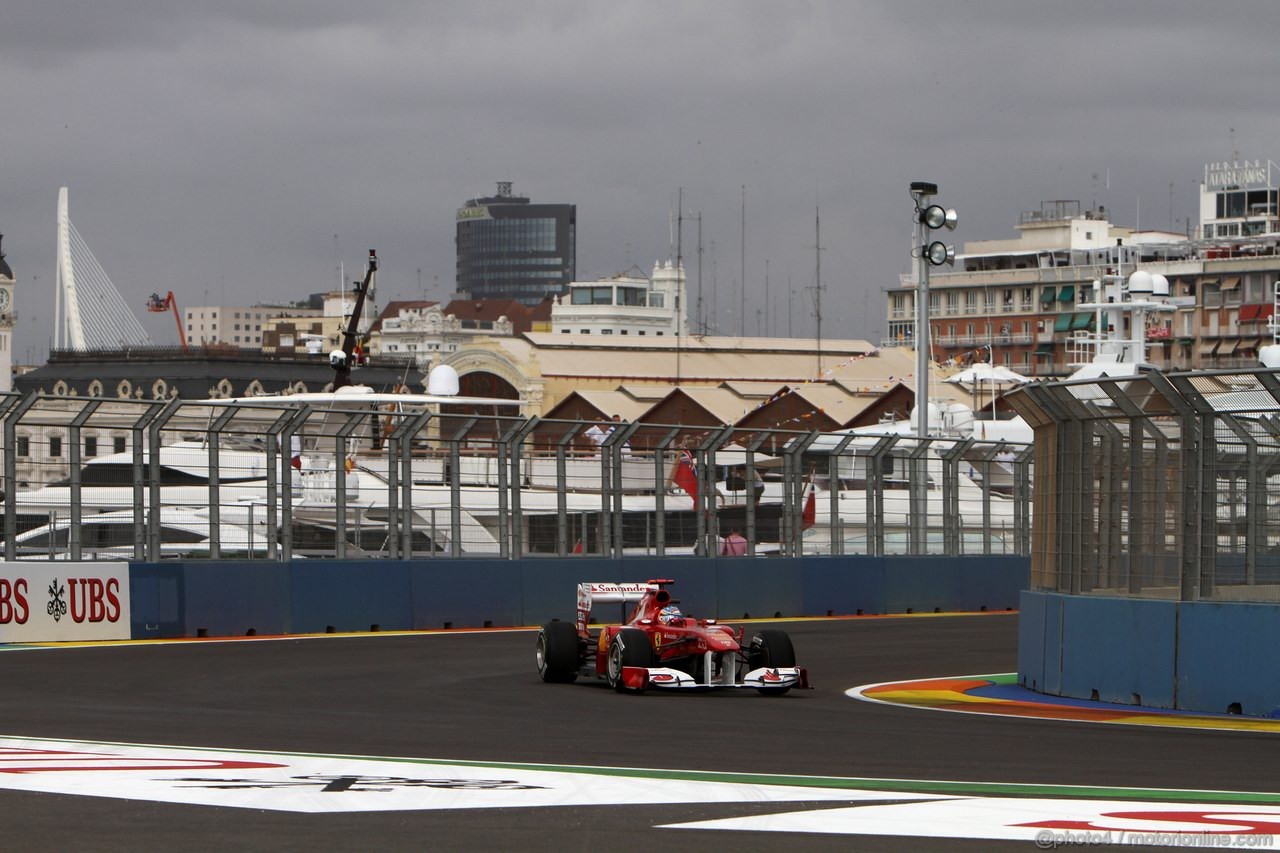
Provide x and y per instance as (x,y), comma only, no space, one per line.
(951,219)
(933,216)
(940,253)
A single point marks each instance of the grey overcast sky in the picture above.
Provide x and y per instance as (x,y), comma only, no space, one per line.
(216,147)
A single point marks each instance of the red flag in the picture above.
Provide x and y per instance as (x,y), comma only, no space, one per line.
(295,452)
(686,476)
(809,515)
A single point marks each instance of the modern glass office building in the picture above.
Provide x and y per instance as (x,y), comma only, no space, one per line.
(509,248)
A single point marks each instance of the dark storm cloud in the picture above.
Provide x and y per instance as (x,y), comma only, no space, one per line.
(216,148)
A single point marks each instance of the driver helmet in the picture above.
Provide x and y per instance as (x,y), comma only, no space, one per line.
(670,615)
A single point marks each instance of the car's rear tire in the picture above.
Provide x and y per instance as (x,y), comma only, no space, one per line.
(629,647)
(771,648)
(558,659)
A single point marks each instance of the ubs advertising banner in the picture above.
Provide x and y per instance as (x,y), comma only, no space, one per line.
(41,602)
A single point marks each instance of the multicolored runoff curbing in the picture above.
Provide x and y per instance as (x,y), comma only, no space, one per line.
(1001,695)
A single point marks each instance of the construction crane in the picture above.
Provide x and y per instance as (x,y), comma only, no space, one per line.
(158,304)
(340,359)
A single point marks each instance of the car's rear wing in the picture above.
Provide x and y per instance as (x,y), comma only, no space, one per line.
(605,592)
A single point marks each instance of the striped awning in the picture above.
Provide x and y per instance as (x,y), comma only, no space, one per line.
(1231,282)
(1227,347)
(1207,347)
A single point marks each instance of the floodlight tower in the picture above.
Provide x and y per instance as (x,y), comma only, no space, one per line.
(929,217)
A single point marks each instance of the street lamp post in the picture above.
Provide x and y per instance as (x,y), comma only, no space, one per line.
(929,217)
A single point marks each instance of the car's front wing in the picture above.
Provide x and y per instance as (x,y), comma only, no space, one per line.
(764,678)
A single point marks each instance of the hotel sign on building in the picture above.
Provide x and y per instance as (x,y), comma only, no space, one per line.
(1238,174)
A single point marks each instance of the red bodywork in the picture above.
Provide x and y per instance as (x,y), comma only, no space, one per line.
(684,638)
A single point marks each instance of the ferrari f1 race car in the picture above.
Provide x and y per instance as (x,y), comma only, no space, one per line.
(657,646)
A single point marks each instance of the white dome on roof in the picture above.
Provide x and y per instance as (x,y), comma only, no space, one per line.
(1140,282)
(443,381)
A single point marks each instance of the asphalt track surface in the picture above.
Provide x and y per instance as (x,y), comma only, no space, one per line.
(476,696)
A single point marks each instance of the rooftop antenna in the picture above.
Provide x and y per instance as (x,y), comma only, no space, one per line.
(671,225)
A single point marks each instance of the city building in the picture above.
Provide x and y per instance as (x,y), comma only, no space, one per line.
(544,369)
(624,305)
(510,248)
(125,378)
(424,331)
(233,325)
(318,326)
(1016,302)
(7,318)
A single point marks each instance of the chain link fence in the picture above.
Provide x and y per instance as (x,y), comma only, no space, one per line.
(272,479)
(1158,486)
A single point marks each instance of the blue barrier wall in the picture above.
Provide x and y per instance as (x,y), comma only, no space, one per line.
(1195,656)
(229,598)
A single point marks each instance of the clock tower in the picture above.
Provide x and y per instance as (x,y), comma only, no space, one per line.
(7,317)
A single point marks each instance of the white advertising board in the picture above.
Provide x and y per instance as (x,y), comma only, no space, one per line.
(59,601)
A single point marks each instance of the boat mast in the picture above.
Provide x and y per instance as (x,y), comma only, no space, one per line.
(742,290)
(817,291)
(702,317)
(679,274)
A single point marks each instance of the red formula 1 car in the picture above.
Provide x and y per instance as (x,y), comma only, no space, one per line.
(659,647)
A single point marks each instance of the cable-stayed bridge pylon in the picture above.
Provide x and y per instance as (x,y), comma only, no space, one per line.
(89,312)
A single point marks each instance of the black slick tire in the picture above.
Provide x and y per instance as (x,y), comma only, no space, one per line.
(629,647)
(771,648)
(558,659)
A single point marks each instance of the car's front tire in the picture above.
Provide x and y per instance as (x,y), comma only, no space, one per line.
(558,660)
(771,648)
(629,647)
